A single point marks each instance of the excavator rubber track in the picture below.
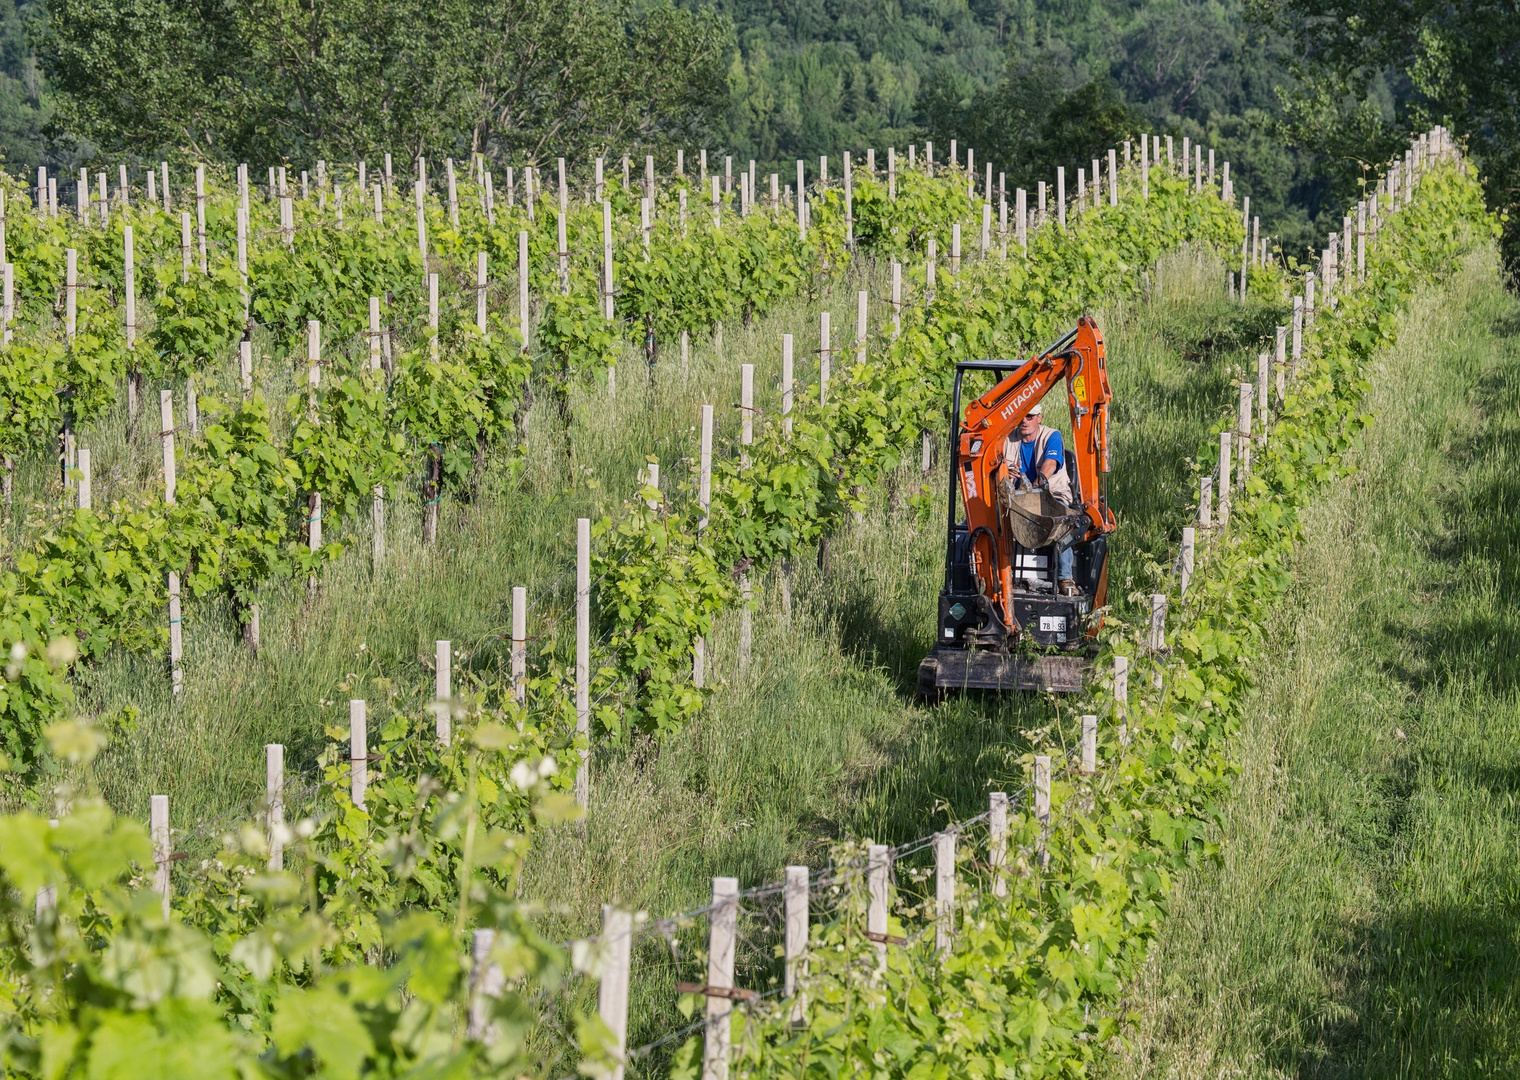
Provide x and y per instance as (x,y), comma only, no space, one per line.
(947,670)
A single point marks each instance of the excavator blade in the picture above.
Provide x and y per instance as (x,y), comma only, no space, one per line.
(948,669)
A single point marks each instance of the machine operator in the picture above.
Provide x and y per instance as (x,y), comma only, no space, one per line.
(1037,459)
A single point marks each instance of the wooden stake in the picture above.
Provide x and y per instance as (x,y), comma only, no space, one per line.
(520,645)
(163,848)
(1223,483)
(583,657)
(443,691)
(722,929)
(245,366)
(825,352)
(1121,687)
(1042,805)
(1189,542)
(480,291)
(612,990)
(166,434)
(1206,501)
(795,899)
(358,752)
(176,634)
(878,871)
(84,478)
(1280,361)
(274,803)
(70,289)
(861,326)
(1089,745)
(522,287)
(997,841)
(944,885)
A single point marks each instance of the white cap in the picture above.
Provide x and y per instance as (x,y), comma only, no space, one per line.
(1036,409)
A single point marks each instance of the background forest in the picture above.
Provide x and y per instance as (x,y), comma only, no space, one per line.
(1300,95)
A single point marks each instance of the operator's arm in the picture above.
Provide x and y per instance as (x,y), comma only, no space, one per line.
(1048,468)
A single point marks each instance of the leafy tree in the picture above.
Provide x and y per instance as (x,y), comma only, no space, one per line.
(1367,72)
(277,79)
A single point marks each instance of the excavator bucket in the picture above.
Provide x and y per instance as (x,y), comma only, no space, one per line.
(1037,519)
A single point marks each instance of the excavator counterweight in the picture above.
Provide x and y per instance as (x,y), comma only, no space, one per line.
(1006,622)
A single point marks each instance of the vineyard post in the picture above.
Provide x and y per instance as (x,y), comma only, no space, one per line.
(176,634)
(358,752)
(53,197)
(564,190)
(245,366)
(1223,483)
(432,287)
(601,187)
(1145,167)
(82,196)
(716,210)
(775,192)
(103,198)
(583,658)
(519,644)
(379,206)
(70,287)
(607,263)
(704,505)
(1003,226)
(163,848)
(746,622)
(795,899)
(1113,177)
(448,165)
(997,841)
(564,255)
(443,690)
(390,179)
(522,287)
(1211,167)
(986,228)
(1280,360)
(3,257)
(955,248)
(644,224)
(274,803)
(1206,501)
(1021,218)
(746,406)
(944,881)
(1298,329)
(421,224)
(1157,637)
(166,434)
(849,204)
(860,326)
(929,266)
(612,991)
(490,200)
(1263,381)
(1189,543)
(878,869)
(1245,247)
(896,299)
(801,201)
(1089,745)
(892,173)
(1039,218)
(824,353)
(480,291)
(42,190)
(786,383)
(184,245)
(9,312)
(649,177)
(1042,806)
(242,256)
(1308,319)
(84,478)
(722,925)
(313,367)
(1226,189)
(702,167)
(1243,436)
(528,200)
(200,215)
(305,187)
(1061,195)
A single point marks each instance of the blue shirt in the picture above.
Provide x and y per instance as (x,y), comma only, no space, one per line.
(1054,451)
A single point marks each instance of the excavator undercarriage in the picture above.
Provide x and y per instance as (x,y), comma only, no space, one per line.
(1004,624)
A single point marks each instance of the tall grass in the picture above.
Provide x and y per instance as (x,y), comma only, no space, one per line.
(1362,921)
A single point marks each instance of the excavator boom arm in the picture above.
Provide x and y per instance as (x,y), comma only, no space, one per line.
(1079,359)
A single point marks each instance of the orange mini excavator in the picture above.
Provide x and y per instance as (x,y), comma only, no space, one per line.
(1003,622)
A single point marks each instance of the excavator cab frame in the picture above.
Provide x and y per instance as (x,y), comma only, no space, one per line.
(998,594)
